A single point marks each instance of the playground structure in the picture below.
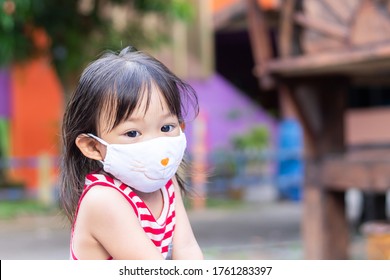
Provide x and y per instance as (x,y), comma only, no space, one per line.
(321,50)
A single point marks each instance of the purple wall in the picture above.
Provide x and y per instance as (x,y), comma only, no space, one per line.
(228,111)
(5,92)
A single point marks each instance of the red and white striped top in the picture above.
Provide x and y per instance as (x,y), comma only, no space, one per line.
(159,230)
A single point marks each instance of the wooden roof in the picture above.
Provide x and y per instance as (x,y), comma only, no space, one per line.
(366,60)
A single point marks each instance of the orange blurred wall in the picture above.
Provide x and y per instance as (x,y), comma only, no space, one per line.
(36,112)
(219,5)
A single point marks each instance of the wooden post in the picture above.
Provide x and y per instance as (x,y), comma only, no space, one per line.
(286,28)
(326,230)
(260,43)
(291,108)
(335,225)
(206,38)
(180,55)
(319,104)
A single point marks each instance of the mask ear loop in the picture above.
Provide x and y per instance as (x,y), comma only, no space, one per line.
(100,141)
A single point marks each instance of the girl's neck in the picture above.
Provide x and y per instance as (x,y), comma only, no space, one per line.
(154,201)
(147,196)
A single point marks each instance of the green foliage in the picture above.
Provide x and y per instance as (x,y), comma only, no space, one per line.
(15,45)
(174,8)
(256,139)
(12,209)
(224,164)
(78,35)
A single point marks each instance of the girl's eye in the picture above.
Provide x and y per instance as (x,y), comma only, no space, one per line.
(132,133)
(167,128)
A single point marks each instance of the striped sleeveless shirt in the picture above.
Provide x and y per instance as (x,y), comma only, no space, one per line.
(160,231)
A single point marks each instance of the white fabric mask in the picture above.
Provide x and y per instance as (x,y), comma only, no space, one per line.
(145,166)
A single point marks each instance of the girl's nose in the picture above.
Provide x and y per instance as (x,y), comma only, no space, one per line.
(164,161)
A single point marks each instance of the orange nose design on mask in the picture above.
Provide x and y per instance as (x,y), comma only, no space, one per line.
(165,161)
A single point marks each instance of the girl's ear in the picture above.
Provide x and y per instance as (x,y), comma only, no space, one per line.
(89,147)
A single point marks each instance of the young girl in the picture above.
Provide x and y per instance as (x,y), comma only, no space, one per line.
(123,144)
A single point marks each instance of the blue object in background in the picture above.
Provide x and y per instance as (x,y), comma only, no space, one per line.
(290,165)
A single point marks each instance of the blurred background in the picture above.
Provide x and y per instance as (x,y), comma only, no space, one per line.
(289,152)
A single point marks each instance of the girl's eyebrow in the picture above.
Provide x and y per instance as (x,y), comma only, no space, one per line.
(137,119)
(168,115)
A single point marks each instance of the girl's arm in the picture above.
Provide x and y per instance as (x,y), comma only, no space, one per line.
(111,221)
(185,245)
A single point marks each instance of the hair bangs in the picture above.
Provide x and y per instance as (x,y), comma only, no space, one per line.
(134,80)
(180,97)
(125,93)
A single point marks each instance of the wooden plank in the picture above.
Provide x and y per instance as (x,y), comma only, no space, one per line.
(322,26)
(336,236)
(380,178)
(357,8)
(341,10)
(314,42)
(368,126)
(291,108)
(332,100)
(317,102)
(372,25)
(258,31)
(313,223)
(286,28)
(352,4)
(344,62)
(324,224)
(366,170)
(324,212)
(388,6)
(331,28)
(319,10)
(260,42)
(306,96)
(372,81)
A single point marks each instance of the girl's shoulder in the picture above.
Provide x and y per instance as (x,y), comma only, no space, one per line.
(103,215)
(102,200)
(101,184)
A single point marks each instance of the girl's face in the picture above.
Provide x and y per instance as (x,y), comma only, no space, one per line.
(143,124)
